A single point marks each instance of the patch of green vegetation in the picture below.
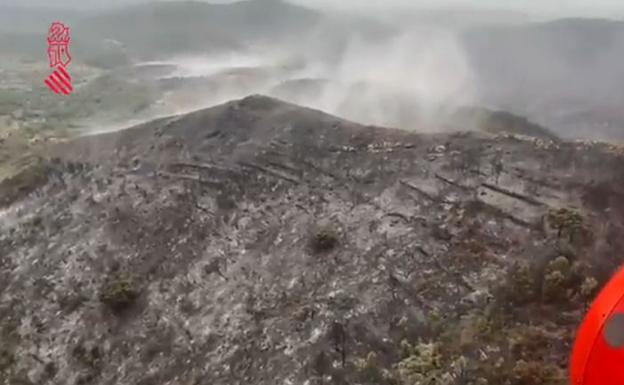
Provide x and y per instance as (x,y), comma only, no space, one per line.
(370,371)
(562,281)
(110,97)
(557,279)
(589,288)
(520,285)
(569,224)
(516,364)
(449,359)
(119,292)
(561,264)
(324,240)
(486,328)
(436,320)
(423,364)
(554,286)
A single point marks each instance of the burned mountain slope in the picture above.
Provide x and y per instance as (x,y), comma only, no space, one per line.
(259,242)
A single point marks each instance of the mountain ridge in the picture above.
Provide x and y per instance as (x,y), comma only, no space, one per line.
(193,26)
(259,242)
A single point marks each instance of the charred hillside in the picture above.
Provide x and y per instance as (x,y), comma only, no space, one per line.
(258,242)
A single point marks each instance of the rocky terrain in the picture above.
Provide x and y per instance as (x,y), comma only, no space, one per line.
(258,242)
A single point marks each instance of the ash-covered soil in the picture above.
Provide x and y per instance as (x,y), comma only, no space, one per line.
(259,242)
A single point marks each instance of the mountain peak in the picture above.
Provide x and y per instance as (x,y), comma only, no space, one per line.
(268,222)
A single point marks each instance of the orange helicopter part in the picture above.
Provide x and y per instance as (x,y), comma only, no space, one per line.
(598,353)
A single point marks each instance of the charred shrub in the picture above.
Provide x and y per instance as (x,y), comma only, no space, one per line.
(324,240)
(520,286)
(72,301)
(89,357)
(119,292)
(7,359)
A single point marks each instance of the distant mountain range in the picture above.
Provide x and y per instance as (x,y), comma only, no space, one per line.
(566,74)
(562,72)
(159,29)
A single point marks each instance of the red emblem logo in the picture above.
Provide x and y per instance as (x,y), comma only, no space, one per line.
(59,81)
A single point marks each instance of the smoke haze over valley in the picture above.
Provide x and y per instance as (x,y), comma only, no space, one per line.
(412,69)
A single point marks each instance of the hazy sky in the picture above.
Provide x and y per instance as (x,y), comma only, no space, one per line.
(548,8)
(555,8)
(594,6)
